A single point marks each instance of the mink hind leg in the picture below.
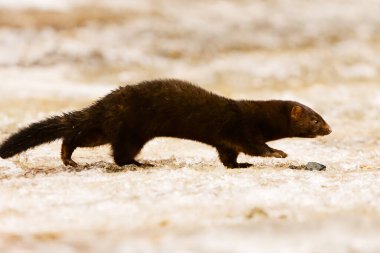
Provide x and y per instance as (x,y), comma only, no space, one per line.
(67,150)
(90,138)
(125,148)
(228,157)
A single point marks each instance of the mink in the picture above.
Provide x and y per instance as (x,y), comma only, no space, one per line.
(130,116)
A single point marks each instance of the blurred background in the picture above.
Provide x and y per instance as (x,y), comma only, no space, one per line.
(240,44)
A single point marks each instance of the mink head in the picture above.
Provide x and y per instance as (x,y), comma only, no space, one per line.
(304,122)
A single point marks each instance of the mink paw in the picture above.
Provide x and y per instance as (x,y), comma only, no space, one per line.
(277,154)
(239,165)
(69,162)
(244,165)
(142,165)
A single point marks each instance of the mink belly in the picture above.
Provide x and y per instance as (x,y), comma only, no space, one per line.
(183,133)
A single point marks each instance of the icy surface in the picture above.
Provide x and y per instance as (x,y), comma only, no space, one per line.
(57,56)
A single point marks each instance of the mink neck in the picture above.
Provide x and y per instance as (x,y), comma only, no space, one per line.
(271,118)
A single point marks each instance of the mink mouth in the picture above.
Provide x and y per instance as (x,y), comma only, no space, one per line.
(315,135)
(322,132)
(308,135)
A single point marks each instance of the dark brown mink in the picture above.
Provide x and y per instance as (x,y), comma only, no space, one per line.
(130,116)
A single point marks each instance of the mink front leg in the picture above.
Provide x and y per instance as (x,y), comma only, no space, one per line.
(262,149)
(276,153)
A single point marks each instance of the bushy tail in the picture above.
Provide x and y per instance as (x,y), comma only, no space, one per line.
(35,134)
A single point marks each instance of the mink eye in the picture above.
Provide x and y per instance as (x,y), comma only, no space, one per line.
(315,121)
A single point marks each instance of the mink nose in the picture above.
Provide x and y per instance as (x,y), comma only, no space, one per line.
(328,129)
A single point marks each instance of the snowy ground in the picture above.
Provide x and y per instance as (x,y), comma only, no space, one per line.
(57,56)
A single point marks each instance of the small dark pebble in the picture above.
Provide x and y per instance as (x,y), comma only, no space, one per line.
(315,166)
(309,166)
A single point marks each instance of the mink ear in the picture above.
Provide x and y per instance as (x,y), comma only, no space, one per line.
(296,112)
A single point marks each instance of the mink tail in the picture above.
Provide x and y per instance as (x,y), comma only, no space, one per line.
(36,134)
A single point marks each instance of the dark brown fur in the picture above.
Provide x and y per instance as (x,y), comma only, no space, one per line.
(130,116)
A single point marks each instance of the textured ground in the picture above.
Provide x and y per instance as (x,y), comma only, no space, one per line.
(57,56)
